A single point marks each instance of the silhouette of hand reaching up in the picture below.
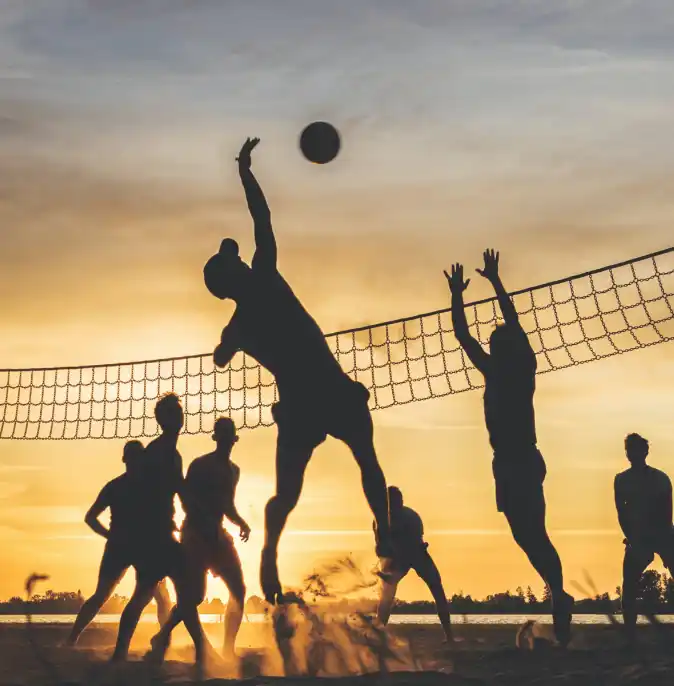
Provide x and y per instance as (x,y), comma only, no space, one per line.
(456,283)
(244,154)
(490,270)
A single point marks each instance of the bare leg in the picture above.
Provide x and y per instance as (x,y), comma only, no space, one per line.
(108,579)
(128,622)
(163,600)
(634,564)
(428,572)
(527,523)
(357,432)
(389,588)
(291,465)
(231,573)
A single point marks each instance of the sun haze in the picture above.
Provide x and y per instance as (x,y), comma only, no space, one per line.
(545,134)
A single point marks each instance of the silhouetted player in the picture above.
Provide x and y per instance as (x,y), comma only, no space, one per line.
(519,469)
(317,398)
(208,496)
(159,554)
(410,552)
(643,498)
(121,495)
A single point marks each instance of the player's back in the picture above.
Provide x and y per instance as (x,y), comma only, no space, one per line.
(642,492)
(281,335)
(125,498)
(509,404)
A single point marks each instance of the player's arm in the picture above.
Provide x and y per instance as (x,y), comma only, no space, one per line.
(230,344)
(178,478)
(621,507)
(510,316)
(265,242)
(95,511)
(230,510)
(667,505)
(471,346)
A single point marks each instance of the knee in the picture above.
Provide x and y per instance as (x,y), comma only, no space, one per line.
(281,503)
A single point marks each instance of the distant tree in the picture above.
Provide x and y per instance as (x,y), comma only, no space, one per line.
(650,590)
(531,597)
(668,592)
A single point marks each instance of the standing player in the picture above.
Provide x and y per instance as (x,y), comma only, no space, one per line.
(643,499)
(411,552)
(121,495)
(208,495)
(317,398)
(519,469)
(159,554)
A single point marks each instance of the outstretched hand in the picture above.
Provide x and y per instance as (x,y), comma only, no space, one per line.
(244,154)
(490,270)
(456,283)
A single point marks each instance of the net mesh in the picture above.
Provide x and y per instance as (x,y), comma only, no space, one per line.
(569,322)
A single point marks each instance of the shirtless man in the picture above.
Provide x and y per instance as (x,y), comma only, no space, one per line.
(121,495)
(159,554)
(509,372)
(411,552)
(208,495)
(317,398)
(643,499)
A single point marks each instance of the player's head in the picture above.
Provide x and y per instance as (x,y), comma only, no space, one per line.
(636,448)
(502,343)
(224,433)
(132,455)
(225,271)
(395,498)
(169,413)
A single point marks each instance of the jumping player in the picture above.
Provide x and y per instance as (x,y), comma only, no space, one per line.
(509,371)
(643,498)
(411,552)
(316,397)
(121,496)
(208,495)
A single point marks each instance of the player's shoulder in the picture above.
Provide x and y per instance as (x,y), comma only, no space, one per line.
(658,475)
(622,477)
(409,513)
(200,463)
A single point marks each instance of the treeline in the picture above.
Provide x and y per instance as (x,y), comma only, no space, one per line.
(656,595)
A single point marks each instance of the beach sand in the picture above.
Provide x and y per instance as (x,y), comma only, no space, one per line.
(484,655)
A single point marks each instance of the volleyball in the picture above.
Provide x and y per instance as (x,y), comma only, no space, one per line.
(320,142)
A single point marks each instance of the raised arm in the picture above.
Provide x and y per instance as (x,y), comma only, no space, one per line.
(490,272)
(471,346)
(95,511)
(265,242)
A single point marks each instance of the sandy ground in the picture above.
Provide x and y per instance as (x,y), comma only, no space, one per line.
(484,655)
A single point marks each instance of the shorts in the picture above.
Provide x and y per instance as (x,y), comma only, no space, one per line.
(343,413)
(519,477)
(159,559)
(118,556)
(417,559)
(215,553)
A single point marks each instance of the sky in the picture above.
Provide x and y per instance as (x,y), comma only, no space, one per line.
(537,128)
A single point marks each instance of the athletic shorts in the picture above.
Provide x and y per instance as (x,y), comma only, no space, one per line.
(405,559)
(519,477)
(640,555)
(160,558)
(343,413)
(118,556)
(213,553)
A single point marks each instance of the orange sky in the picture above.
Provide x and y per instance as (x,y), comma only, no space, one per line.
(550,143)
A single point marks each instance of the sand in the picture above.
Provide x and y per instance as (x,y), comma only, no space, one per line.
(485,655)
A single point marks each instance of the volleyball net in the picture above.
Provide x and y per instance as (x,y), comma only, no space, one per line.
(572,321)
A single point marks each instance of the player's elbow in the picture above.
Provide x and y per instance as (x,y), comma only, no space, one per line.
(221,357)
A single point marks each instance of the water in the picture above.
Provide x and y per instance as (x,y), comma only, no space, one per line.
(425,620)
